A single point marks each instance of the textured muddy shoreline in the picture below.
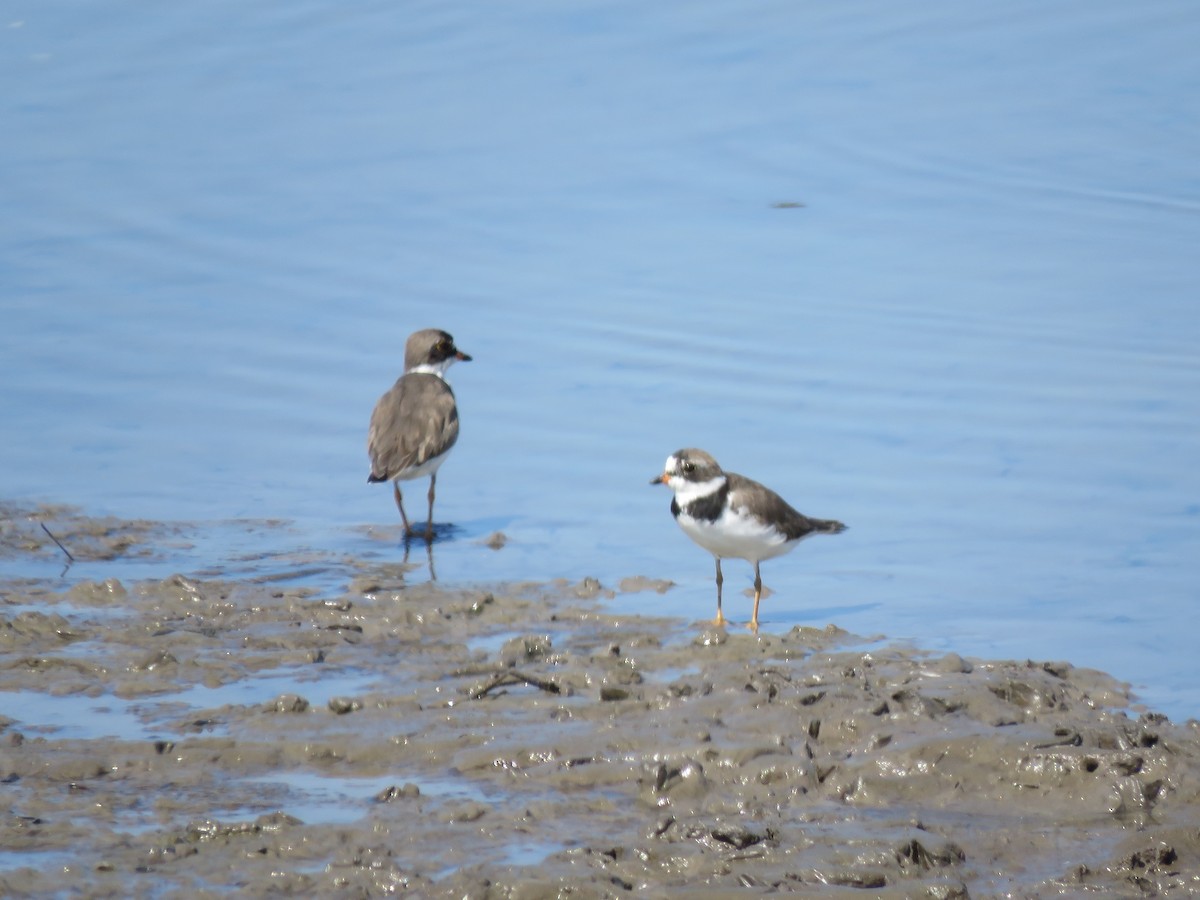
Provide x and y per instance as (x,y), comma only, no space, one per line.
(521,741)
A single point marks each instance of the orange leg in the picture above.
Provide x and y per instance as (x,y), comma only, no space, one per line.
(720,619)
(757,596)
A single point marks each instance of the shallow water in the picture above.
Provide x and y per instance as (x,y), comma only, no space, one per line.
(973,341)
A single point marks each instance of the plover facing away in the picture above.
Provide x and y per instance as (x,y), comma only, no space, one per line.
(415,424)
(732,516)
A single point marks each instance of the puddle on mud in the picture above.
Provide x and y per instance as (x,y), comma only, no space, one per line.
(183,733)
(321,799)
(75,716)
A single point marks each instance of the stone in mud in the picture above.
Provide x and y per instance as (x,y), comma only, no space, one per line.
(525,648)
(287,703)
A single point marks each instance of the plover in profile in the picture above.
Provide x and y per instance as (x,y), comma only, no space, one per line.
(731,516)
(415,424)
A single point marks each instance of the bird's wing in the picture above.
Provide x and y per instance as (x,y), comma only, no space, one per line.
(793,523)
(412,423)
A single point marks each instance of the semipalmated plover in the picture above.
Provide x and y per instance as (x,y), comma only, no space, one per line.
(415,424)
(731,516)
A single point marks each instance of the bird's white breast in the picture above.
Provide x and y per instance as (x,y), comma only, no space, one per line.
(736,536)
(429,467)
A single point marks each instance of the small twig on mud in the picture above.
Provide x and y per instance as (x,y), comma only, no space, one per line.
(1069,739)
(511,677)
(57,541)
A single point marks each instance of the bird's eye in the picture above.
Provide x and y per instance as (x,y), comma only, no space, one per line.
(442,347)
(689,468)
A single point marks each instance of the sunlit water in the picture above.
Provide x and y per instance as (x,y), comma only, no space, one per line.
(929,269)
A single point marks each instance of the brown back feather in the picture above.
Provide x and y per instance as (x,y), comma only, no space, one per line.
(794,523)
(412,423)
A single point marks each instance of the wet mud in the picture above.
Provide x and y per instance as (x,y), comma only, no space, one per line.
(201,736)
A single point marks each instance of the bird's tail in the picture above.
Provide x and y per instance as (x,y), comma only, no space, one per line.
(828,526)
(375,479)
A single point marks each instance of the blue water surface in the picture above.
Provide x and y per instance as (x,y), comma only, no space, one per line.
(930,269)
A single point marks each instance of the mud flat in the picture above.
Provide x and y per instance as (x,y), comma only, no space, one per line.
(207,736)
